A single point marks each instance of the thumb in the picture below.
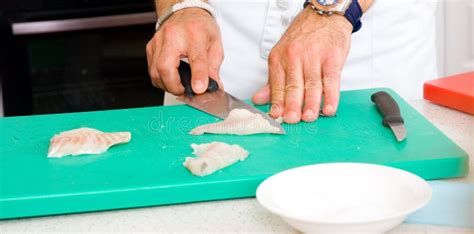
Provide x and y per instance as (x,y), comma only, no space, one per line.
(262,96)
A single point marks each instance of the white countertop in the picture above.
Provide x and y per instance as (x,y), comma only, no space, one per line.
(238,215)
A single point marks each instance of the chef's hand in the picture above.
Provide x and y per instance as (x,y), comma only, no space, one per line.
(191,33)
(305,65)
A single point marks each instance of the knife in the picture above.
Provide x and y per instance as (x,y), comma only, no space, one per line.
(390,111)
(216,101)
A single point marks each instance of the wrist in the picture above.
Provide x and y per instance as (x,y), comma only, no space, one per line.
(365,4)
(182,5)
(338,21)
(162,6)
(344,24)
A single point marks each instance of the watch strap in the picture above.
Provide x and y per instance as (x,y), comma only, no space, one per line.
(352,14)
(306,3)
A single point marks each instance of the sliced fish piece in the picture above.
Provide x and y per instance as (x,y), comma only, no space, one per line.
(84,141)
(239,122)
(213,156)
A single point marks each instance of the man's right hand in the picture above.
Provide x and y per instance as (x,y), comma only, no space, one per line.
(189,33)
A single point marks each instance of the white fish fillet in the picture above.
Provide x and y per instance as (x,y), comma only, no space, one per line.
(239,122)
(84,141)
(213,156)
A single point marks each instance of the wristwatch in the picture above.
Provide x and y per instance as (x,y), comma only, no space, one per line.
(348,8)
(329,7)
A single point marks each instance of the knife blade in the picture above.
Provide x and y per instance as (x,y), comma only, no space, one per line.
(390,111)
(216,101)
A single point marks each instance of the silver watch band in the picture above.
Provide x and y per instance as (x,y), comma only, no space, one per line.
(183,5)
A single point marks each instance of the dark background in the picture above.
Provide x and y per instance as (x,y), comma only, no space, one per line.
(81,70)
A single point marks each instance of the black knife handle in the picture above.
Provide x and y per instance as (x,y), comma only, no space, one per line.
(185,75)
(388,107)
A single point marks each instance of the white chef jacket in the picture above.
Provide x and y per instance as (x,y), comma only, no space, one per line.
(395,47)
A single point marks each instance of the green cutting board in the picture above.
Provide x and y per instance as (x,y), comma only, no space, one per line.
(148,170)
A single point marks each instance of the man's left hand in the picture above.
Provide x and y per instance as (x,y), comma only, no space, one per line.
(306,65)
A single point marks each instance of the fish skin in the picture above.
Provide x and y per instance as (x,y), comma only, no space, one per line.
(84,141)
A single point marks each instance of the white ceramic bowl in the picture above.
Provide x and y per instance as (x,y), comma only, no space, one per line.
(344,197)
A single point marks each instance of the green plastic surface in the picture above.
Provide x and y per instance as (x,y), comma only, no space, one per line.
(148,170)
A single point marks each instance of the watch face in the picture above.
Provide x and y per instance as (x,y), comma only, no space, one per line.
(331,6)
(328,2)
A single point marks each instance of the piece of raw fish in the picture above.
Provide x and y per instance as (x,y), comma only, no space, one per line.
(213,156)
(239,122)
(84,141)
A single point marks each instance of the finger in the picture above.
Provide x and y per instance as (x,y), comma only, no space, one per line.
(198,60)
(313,89)
(277,86)
(331,75)
(294,91)
(167,64)
(262,97)
(152,51)
(215,56)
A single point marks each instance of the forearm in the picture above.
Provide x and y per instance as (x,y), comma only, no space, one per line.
(365,4)
(162,5)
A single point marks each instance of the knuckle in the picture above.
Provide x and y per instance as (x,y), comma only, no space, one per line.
(335,71)
(332,74)
(221,56)
(214,69)
(334,53)
(293,49)
(315,68)
(314,47)
(292,87)
(332,68)
(330,80)
(161,67)
(334,58)
(277,93)
(174,88)
(194,28)
(174,91)
(168,29)
(313,84)
(214,66)
(148,47)
(273,58)
(292,74)
(156,82)
(197,59)
(293,78)
(153,72)
(153,83)
(193,25)
(277,78)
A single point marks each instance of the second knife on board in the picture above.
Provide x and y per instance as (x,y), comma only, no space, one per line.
(390,111)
